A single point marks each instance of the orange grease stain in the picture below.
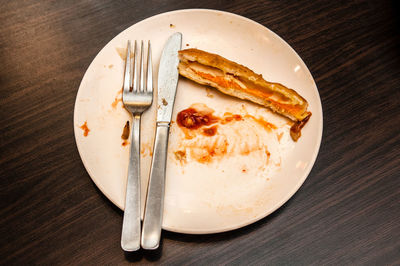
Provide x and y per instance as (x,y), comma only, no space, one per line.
(146,149)
(206,153)
(192,122)
(85,129)
(268,126)
(115,102)
(117,99)
(279,136)
(211,131)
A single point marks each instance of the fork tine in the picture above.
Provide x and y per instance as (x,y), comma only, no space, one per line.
(132,61)
(127,76)
(135,70)
(149,85)
(142,72)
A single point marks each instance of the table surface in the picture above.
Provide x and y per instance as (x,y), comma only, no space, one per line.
(347,211)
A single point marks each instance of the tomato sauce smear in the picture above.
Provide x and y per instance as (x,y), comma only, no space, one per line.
(192,119)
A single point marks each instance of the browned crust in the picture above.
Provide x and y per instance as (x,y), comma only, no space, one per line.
(219,62)
(295,129)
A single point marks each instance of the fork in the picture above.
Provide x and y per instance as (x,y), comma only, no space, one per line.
(137,96)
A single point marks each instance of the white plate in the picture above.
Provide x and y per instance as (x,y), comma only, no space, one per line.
(233,190)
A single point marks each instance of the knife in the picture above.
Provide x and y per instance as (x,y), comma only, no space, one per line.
(167,83)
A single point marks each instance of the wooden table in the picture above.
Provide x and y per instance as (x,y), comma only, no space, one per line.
(347,211)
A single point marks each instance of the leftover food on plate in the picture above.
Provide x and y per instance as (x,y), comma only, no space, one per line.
(241,82)
(208,137)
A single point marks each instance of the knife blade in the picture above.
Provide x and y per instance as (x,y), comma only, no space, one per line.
(167,83)
(168,77)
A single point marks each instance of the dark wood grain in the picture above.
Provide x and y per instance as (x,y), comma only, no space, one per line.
(347,212)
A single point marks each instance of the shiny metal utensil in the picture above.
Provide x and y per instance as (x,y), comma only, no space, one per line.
(167,83)
(137,97)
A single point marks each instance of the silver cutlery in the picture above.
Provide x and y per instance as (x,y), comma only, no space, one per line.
(167,83)
(137,96)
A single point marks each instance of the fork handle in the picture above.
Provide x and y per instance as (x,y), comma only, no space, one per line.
(153,214)
(130,239)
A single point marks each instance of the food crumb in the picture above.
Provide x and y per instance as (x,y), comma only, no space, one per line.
(211,131)
(268,155)
(164,102)
(209,94)
(85,129)
(110,66)
(146,149)
(187,44)
(125,132)
(125,142)
(115,102)
(171,26)
(121,52)
(180,156)
(279,136)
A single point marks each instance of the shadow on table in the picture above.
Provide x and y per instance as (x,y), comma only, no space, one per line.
(136,256)
(155,255)
(149,255)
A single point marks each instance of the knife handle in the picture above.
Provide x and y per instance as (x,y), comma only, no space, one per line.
(153,214)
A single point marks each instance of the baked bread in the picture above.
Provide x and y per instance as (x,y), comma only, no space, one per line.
(241,82)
